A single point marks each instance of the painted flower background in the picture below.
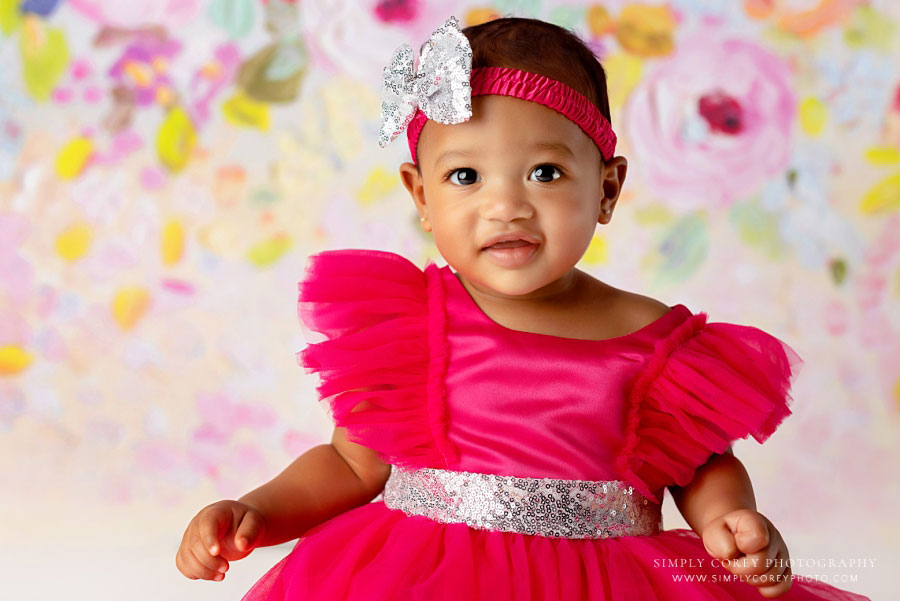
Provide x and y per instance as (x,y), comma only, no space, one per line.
(166,167)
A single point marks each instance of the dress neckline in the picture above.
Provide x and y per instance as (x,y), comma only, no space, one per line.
(674,310)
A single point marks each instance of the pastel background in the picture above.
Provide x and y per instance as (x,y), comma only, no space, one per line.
(167,166)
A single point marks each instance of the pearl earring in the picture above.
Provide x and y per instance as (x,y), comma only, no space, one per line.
(421,219)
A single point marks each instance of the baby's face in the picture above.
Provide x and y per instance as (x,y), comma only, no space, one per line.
(515,167)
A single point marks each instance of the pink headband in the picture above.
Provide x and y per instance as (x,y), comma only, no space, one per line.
(507,81)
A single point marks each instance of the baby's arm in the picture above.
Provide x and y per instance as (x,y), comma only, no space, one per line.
(719,486)
(720,507)
(323,482)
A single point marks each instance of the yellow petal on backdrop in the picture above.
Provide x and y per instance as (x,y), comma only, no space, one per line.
(268,251)
(897,393)
(477,16)
(140,74)
(74,241)
(596,252)
(653,214)
(13,360)
(164,96)
(129,305)
(222,237)
(646,30)
(869,27)
(10,18)
(73,157)
(883,155)
(759,9)
(623,72)
(813,116)
(379,183)
(599,21)
(172,243)
(175,139)
(885,196)
(240,109)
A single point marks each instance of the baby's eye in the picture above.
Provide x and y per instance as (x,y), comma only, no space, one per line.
(546,173)
(464,176)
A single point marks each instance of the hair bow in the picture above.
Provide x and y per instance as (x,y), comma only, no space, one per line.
(440,87)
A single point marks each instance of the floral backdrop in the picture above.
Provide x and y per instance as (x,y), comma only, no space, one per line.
(166,167)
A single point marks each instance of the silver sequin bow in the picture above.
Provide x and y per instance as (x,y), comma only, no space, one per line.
(440,87)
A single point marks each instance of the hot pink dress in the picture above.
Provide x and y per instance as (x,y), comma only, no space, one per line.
(457,391)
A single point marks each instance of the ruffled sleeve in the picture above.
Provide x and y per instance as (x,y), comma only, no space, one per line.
(705,385)
(382,360)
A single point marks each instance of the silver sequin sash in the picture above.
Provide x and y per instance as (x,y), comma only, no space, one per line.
(541,506)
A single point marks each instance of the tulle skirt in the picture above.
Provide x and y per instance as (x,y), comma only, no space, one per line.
(375,553)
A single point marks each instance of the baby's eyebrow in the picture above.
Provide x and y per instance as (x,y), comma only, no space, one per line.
(552,146)
(452,154)
(555,147)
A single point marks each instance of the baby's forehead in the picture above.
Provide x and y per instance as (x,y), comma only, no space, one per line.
(508,124)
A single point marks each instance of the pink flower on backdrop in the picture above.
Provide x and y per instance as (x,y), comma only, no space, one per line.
(223,416)
(710,124)
(14,230)
(397,11)
(877,329)
(82,83)
(295,442)
(16,280)
(136,13)
(142,68)
(13,328)
(358,38)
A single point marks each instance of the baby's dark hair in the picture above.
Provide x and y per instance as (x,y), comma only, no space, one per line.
(543,48)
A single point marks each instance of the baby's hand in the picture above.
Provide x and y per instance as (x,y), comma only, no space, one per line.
(754,547)
(219,533)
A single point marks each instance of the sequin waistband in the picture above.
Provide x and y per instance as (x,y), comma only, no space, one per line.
(541,506)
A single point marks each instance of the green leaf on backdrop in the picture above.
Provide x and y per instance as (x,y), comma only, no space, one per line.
(680,251)
(263,197)
(234,16)
(838,269)
(267,252)
(569,17)
(273,74)
(757,227)
(519,8)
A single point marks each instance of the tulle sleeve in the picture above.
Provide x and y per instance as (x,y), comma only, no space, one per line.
(705,385)
(381,351)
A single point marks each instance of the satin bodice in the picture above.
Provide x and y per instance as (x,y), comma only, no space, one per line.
(537,405)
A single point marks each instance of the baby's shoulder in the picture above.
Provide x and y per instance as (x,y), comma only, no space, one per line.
(627,311)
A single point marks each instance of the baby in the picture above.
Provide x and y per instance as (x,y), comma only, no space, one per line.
(513,168)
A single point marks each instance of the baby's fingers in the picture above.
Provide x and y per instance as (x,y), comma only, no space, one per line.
(212,527)
(218,565)
(776,581)
(193,568)
(249,532)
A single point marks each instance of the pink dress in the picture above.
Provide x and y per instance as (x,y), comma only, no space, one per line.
(457,391)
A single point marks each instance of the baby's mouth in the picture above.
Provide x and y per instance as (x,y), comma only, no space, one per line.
(509,244)
(511,253)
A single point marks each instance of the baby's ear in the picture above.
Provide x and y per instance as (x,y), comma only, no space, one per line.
(411,177)
(614,177)
(412,181)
